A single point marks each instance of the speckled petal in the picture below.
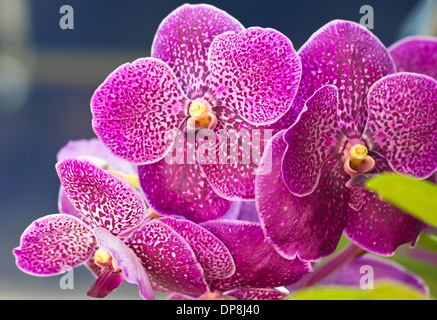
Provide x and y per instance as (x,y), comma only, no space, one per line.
(183,40)
(168,259)
(127,261)
(378,227)
(215,258)
(181,189)
(258,264)
(136,108)
(256,294)
(311,226)
(103,200)
(95,148)
(349,56)
(415,54)
(382,269)
(311,141)
(256,72)
(402,124)
(54,244)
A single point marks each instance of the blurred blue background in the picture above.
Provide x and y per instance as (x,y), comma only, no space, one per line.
(48,75)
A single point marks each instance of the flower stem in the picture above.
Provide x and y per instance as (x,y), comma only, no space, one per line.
(338,261)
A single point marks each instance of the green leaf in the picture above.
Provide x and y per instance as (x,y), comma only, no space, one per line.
(416,197)
(383,290)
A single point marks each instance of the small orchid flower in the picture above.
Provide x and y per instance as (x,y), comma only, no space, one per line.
(206,72)
(363,119)
(117,233)
(54,243)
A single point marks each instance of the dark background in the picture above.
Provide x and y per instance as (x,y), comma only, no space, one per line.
(48,75)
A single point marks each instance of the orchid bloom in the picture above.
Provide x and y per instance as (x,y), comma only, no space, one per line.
(55,243)
(206,71)
(358,117)
(116,232)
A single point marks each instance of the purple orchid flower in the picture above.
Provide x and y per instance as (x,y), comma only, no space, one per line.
(55,243)
(206,72)
(357,117)
(259,269)
(114,224)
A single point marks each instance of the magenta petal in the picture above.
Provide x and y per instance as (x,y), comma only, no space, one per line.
(183,40)
(308,227)
(415,54)
(402,124)
(258,265)
(136,108)
(215,258)
(382,269)
(105,283)
(104,200)
(65,206)
(181,189)
(311,141)
(256,294)
(378,227)
(53,244)
(168,259)
(127,261)
(349,56)
(256,72)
